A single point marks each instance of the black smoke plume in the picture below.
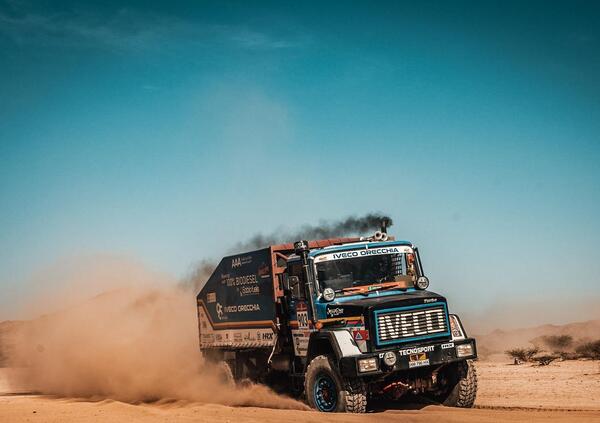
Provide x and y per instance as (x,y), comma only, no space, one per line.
(198,277)
(351,225)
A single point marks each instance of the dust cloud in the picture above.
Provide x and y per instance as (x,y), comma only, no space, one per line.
(138,343)
(198,277)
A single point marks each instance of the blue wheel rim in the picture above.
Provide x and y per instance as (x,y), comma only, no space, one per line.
(325,393)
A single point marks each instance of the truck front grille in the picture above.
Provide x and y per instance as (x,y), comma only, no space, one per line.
(404,324)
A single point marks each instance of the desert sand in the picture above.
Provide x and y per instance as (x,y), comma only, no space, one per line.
(562,391)
(131,354)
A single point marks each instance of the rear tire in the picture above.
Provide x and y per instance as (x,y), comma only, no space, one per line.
(215,364)
(464,389)
(225,374)
(328,391)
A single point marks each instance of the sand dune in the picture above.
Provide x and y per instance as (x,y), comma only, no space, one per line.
(500,340)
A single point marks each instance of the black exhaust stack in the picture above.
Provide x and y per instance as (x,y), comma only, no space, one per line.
(384,224)
(301,248)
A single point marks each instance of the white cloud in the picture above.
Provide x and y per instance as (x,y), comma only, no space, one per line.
(131,30)
(256,40)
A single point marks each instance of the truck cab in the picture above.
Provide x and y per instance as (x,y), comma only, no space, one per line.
(353,321)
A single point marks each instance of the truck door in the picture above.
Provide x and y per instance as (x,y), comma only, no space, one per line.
(300,312)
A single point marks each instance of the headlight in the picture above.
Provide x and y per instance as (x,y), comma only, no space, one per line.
(367,365)
(464,350)
(328,294)
(422,282)
(389,358)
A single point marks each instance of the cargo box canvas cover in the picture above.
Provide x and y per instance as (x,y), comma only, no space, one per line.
(236,307)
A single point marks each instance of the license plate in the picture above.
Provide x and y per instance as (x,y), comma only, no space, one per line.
(418,360)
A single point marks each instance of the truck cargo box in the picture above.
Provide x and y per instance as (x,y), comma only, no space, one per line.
(236,306)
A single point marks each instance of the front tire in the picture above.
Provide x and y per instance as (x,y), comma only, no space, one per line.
(328,391)
(463,390)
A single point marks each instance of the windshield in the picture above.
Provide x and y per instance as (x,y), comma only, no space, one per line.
(354,269)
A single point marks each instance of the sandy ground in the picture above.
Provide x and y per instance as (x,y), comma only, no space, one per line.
(563,391)
(565,385)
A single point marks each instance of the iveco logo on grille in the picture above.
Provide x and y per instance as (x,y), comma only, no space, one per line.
(396,325)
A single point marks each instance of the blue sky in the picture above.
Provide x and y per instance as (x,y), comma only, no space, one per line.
(168,132)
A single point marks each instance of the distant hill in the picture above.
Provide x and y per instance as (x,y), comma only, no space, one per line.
(499,340)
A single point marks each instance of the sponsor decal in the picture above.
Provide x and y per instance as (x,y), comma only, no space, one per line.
(242,308)
(241,280)
(211,297)
(300,342)
(222,311)
(456,334)
(448,345)
(302,317)
(334,312)
(417,350)
(249,290)
(455,328)
(365,252)
(360,335)
(240,261)
(236,337)
(418,360)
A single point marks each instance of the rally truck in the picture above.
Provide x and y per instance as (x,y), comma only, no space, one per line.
(344,322)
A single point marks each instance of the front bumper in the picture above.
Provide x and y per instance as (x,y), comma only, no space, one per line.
(409,358)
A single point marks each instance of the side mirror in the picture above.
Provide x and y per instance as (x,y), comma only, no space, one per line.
(293,281)
(296,287)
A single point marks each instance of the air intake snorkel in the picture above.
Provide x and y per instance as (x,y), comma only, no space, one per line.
(301,249)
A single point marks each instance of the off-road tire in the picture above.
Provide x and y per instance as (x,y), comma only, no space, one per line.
(356,396)
(463,393)
(351,392)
